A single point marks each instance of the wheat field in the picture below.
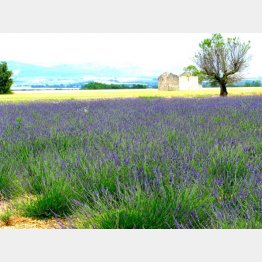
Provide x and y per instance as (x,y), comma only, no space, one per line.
(58,95)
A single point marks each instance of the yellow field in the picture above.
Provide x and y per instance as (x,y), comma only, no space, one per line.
(50,95)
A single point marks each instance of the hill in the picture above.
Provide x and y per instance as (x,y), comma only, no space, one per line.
(75,75)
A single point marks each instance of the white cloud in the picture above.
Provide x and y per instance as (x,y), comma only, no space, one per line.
(16,72)
(148,53)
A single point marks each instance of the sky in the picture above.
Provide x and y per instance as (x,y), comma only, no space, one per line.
(150,54)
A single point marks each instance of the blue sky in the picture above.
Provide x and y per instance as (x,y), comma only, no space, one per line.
(147,54)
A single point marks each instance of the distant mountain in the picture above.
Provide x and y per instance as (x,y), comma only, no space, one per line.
(70,75)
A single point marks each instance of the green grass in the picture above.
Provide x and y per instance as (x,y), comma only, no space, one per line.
(6,216)
(55,201)
(151,210)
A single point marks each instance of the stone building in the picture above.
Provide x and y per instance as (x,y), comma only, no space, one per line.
(170,82)
(188,82)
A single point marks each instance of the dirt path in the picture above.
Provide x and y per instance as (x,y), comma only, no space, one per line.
(16,221)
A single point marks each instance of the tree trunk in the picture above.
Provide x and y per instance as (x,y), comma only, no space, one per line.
(223,89)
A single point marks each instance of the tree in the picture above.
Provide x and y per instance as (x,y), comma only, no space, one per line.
(222,61)
(5,79)
(194,71)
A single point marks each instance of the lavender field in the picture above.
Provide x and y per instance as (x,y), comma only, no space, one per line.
(135,163)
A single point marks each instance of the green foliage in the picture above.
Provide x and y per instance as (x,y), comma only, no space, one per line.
(194,71)
(96,85)
(214,83)
(217,40)
(159,208)
(5,79)
(256,83)
(5,185)
(150,97)
(18,122)
(53,202)
(222,60)
(5,216)
(9,184)
(191,69)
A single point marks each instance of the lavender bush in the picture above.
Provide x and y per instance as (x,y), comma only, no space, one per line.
(136,163)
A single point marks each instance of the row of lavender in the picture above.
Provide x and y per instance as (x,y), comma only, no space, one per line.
(136,163)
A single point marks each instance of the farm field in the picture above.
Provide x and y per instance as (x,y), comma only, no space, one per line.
(29,96)
(131,163)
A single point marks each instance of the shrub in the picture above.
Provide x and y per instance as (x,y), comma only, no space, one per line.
(5,217)
(96,85)
(53,202)
(164,208)
(5,79)
(9,185)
